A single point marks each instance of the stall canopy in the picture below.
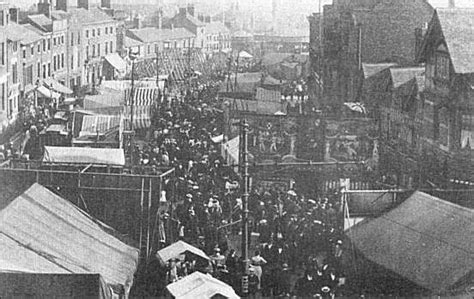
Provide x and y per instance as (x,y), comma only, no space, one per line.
(47,93)
(41,232)
(116,61)
(78,155)
(199,285)
(425,240)
(55,85)
(102,124)
(245,54)
(34,285)
(178,248)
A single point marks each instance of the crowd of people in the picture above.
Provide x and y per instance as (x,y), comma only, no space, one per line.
(297,235)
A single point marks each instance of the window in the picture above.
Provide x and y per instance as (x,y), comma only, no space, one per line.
(39,48)
(24,52)
(149,49)
(15,47)
(2,53)
(106,47)
(106,30)
(32,50)
(39,69)
(29,74)
(62,60)
(54,63)
(93,50)
(49,69)
(49,44)
(2,94)
(93,32)
(15,73)
(98,50)
(62,40)
(44,71)
(111,47)
(72,39)
(442,66)
(87,51)
(98,32)
(87,33)
(72,62)
(54,41)
(78,38)
(44,45)
(111,30)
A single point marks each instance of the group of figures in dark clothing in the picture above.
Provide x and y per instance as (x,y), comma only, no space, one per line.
(298,245)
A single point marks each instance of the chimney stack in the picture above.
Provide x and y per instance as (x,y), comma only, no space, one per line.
(14,14)
(183,11)
(63,4)
(106,4)
(191,9)
(452,4)
(44,8)
(137,22)
(83,4)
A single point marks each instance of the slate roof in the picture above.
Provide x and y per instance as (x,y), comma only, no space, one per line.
(216,28)
(85,16)
(131,42)
(458,30)
(22,33)
(42,22)
(425,240)
(152,34)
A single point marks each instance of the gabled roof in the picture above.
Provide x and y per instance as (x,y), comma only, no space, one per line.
(193,20)
(176,249)
(371,69)
(85,16)
(425,240)
(457,26)
(401,76)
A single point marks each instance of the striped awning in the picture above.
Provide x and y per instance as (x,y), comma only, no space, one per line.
(91,124)
(143,96)
(141,117)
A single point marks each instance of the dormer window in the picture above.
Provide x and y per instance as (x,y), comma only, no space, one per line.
(442,63)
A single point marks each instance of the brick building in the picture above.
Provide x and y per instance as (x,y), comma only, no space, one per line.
(4,105)
(366,31)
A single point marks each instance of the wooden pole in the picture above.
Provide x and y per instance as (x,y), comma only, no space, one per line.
(141,215)
(148,221)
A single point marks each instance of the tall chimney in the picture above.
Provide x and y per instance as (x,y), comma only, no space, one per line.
(452,4)
(63,4)
(106,4)
(83,4)
(160,18)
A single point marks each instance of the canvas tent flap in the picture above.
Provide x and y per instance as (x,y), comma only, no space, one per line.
(51,229)
(199,285)
(116,61)
(71,155)
(47,93)
(425,240)
(178,248)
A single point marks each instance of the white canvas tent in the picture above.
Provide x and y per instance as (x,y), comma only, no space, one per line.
(41,232)
(199,285)
(79,155)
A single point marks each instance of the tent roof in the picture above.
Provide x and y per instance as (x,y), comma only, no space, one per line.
(425,239)
(245,54)
(199,285)
(55,85)
(41,232)
(178,248)
(109,156)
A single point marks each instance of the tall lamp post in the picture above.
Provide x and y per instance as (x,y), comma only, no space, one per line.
(244,130)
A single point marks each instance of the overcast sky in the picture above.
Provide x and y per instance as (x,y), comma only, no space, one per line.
(310,5)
